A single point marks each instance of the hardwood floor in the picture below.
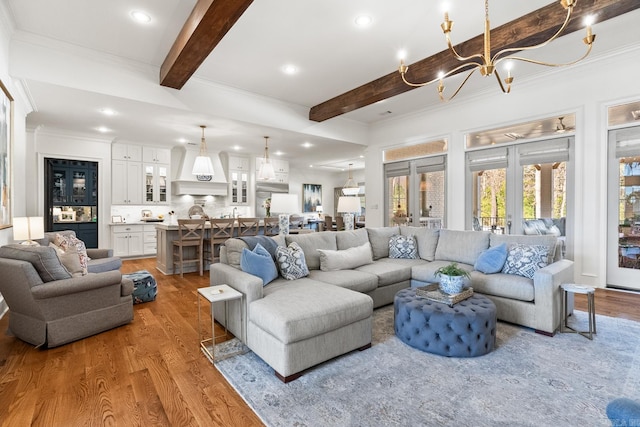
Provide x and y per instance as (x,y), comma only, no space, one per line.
(150,372)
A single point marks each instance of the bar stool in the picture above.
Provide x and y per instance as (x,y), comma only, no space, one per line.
(591,308)
(328,223)
(221,230)
(248,226)
(271,227)
(190,235)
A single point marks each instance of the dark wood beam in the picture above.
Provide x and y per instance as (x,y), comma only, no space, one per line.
(208,23)
(530,29)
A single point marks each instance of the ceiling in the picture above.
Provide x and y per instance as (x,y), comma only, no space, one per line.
(320,38)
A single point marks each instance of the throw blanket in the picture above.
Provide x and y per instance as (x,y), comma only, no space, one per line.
(267,242)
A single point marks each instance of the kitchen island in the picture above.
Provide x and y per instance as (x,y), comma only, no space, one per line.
(165,235)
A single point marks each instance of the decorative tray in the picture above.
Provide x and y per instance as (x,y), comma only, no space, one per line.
(432,292)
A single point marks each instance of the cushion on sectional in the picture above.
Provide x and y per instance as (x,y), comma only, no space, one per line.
(259,263)
(351,238)
(292,261)
(345,259)
(492,260)
(43,258)
(379,238)
(427,239)
(525,260)
(234,247)
(310,242)
(389,273)
(403,247)
(461,246)
(355,280)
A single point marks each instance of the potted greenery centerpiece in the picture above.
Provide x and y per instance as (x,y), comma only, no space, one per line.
(451,278)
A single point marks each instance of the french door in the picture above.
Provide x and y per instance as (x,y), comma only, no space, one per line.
(623,235)
(510,186)
(415,192)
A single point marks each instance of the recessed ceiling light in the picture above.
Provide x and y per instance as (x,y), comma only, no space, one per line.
(310,166)
(103,129)
(278,153)
(290,69)
(108,112)
(363,21)
(140,16)
(307,145)
(182,140)
(237,147)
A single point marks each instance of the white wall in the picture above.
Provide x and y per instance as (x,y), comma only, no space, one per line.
(586,90)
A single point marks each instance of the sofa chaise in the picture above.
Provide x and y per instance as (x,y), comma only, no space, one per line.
(296,324)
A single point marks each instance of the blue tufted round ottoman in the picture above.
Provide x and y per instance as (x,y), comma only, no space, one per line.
(467,329)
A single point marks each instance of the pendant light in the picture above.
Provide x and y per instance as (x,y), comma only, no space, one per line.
(203,166)
(266,171)
(350,188)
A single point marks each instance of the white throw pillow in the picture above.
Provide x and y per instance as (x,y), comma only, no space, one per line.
(345,259)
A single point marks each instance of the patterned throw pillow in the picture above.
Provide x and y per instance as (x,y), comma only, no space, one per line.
(403,247)
(71,243)
(291,261)
(525,260)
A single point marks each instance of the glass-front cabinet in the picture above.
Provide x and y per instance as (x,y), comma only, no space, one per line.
(74,182)
(156,182)
(238,191)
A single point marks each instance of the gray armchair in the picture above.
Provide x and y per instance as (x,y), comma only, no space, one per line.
(48,307)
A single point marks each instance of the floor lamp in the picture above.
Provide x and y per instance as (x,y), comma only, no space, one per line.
(285,205)
(349,206)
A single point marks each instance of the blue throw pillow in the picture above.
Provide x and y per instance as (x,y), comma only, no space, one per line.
(492,260)
(259,263)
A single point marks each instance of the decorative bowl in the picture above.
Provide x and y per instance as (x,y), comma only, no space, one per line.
(451,284)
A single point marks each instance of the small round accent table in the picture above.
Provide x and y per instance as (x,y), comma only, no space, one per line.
(591,308)
(468,329)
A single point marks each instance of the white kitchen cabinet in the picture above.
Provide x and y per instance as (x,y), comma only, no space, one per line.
(156,155)
(157,184)
(126,182)
(127,240)
(131,153)
(149,239)
(238,163)
(238,187)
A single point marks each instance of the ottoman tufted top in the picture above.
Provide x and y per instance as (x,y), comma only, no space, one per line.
(467,329)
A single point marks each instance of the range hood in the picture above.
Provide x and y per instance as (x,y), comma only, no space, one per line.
(186,183)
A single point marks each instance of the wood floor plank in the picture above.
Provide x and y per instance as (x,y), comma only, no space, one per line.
(150,372)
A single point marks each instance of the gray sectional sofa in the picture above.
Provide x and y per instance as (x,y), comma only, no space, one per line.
(294,325)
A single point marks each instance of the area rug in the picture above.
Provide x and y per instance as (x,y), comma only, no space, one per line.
(528,380)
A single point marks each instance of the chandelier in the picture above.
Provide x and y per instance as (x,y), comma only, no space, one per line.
(202,167)
(350,187)
(266,171)
(486,63)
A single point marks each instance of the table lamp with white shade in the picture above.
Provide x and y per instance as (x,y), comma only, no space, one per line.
(285,205)
(319,210)
(349,206)
(28,228)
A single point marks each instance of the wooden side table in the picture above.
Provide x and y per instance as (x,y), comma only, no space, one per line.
(591,308)
(214,294)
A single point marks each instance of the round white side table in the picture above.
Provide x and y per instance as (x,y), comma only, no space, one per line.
(591,308)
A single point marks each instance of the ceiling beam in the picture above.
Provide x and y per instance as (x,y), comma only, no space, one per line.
(208,23)
(527,30)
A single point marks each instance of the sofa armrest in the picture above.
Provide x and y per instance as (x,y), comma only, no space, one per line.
(548,299)
(248,284)
(99,253)
(76,284)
